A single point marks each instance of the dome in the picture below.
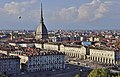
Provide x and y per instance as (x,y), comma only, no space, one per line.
(41,32)
(41,29)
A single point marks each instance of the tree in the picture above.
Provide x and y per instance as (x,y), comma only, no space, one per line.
(1,75)
(103,73)
(119,74)
(99,73)
(77,75)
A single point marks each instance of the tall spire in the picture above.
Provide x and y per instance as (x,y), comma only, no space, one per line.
(41,32)
(41,14)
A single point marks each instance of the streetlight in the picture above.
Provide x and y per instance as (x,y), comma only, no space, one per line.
(80,72)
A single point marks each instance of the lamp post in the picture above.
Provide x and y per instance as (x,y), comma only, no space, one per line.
(81,72)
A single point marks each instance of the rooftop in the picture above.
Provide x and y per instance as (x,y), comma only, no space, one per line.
(33,52)
(43,53)
(7,47)
(3,56)
(69,45)
(104,48)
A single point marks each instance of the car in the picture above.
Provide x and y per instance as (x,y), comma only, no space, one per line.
(68,67)
(22,73)
(53,70)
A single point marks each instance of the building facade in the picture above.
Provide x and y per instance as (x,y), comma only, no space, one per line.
(9,65)
(104,56)
(48,46)
(46,61)
(52,46)
(74,51)
(39,45)
(33,61)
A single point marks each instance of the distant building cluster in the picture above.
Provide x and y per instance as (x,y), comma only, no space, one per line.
(104,54)
(71,36)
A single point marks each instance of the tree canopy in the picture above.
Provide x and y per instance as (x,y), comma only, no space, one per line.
(99,73)
(2,75)
(103,72)
(77,75)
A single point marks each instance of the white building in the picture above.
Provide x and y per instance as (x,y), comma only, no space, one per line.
(9,64)
(22,44)
(75,51)
(48,46)
(103,55)
(52,46)
(39,45)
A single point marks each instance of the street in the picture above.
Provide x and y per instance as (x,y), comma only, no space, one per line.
(70,71)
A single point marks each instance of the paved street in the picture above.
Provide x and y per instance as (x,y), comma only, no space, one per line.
(87,63)
(70,71)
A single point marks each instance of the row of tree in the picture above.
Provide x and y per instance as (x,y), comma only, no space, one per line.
(101,72)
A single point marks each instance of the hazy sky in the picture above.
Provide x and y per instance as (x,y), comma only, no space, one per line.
(60,14)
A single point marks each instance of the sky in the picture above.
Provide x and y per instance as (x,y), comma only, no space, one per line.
(60,14)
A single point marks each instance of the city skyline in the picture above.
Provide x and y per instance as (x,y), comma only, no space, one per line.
(88,14)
